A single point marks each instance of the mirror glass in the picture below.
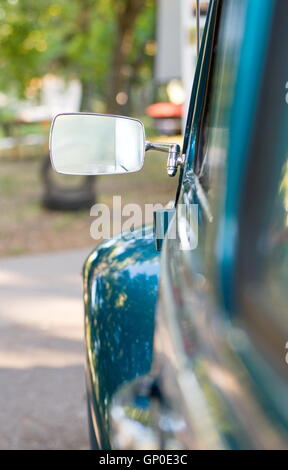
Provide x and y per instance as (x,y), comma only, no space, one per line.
(95,144)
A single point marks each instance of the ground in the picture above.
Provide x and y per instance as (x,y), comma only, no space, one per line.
(42,399)
(25,227)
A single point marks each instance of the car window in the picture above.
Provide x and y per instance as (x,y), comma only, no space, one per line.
(210,162)
(275,280)
(262,254)
(262,278)
(262,267)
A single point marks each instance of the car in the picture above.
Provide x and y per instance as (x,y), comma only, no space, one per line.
(187,346)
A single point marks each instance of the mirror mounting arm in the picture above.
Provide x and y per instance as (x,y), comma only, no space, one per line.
(174,154)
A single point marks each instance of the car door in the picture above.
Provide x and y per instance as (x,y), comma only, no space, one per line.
(209,370)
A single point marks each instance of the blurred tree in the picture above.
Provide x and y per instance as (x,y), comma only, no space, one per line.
(107,44)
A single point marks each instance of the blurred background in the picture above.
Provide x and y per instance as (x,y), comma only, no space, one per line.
(85,55)
(128,57)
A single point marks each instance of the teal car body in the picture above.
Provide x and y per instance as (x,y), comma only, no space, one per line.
(120,292)
(206,328)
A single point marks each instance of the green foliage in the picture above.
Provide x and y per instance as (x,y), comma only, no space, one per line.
(66,37)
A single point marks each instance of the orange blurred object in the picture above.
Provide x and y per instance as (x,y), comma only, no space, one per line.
(165,110)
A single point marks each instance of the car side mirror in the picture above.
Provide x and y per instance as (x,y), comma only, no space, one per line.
(94,144)
(102,144)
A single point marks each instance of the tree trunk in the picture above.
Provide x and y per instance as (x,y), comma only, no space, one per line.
(127,12)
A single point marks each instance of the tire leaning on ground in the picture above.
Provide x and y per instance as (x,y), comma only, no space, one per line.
(57,197)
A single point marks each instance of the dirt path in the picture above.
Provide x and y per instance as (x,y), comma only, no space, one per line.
(42,399)
(25,227)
